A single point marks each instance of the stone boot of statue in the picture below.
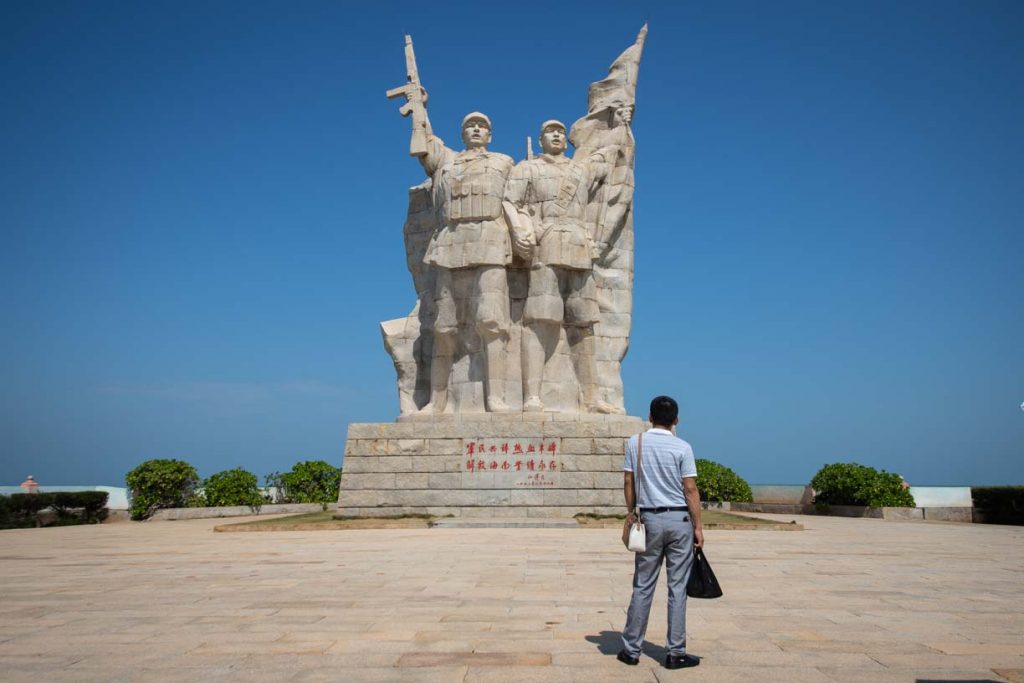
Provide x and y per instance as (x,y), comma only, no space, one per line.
(495,348)
(440,370)
(538,342)
(581,345)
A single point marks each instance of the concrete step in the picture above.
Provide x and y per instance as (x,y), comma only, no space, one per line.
(504,523)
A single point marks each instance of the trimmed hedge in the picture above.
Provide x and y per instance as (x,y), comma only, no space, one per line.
(717,482)
(159,484)
(89,507)
(30,503)
(853,484)
(21,510)
(1000,504)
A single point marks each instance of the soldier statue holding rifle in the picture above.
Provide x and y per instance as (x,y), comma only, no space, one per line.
(548,332)
(471,247)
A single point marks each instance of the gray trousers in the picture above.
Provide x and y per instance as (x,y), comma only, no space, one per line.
(669,536)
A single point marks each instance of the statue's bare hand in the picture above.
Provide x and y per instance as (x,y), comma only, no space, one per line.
(422,95)
(523,245)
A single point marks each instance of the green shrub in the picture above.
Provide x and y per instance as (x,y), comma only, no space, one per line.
(312,481)
(196,500)
(1000,504)
(19,510)
(28,504)
(94,505)
(64,504)
(853,484)
(15,512)
(717,482)
(80,507)
(159,484)
(232,487)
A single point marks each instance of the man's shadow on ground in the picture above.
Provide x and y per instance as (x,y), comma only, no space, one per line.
(610,643)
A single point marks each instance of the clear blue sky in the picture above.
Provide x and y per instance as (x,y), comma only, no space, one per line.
(201,210)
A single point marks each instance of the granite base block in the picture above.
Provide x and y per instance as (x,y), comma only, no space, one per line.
(547,465)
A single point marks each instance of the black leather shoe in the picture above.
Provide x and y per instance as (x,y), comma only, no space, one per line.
(681,661)
(626,658)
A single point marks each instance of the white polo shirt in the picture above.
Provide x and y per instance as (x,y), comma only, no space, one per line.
(667,460)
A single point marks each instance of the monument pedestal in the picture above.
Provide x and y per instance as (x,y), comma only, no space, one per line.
(487,465)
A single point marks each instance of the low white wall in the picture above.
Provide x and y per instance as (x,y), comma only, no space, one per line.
(170,514)
(924,496)
(942,496)
(782,494)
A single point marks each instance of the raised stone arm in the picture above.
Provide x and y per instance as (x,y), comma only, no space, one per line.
(423,144)
(431,152)
(436,155)
(600,165)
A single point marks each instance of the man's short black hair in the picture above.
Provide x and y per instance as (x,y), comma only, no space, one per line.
(664,410)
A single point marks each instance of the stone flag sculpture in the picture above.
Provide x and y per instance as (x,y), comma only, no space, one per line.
(523,272)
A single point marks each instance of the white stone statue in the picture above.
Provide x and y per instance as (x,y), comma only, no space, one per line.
(470,251)
(563,304)
(611,103)
(546,200)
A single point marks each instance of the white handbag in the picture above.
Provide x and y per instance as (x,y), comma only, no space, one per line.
(635,535)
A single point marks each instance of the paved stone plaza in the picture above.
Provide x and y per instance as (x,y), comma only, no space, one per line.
(846,600)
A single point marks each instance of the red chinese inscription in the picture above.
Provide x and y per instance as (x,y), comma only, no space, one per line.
(508,456)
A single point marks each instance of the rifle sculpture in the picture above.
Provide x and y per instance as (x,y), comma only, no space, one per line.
(416,100)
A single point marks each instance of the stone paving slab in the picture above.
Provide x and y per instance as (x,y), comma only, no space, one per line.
(847,600)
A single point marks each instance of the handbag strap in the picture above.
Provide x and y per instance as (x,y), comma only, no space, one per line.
(639,472)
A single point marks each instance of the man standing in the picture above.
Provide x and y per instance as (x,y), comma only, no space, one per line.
(668,502)
(470,250)
(545,201)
